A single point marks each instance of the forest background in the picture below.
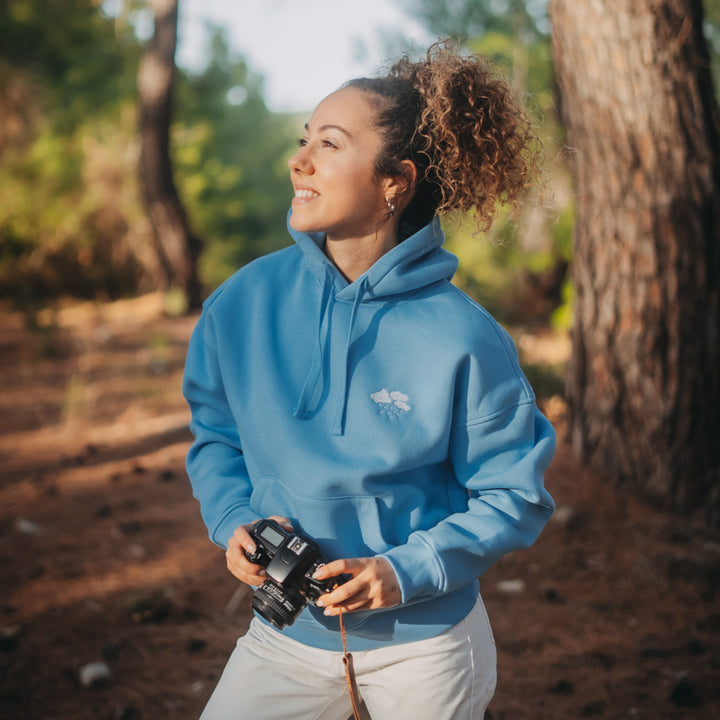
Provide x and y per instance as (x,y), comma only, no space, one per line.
(91,405)
(69,144)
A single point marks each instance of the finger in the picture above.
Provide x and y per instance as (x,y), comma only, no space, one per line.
(239,565)
(282,520)
(241,540)
(361,601)
(342,593)
(338,567)
(247,578)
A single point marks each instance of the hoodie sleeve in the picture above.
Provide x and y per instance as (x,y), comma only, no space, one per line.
(500,447)
(215,462)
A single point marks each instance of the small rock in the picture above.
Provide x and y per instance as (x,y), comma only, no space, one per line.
(511,587)
(569,518)
(94,674)
(562,514)
(137,552)
(28,527)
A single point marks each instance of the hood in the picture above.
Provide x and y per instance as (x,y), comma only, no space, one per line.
(415,263)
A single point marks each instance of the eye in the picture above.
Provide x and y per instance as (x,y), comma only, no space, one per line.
(302,142)
(329,143)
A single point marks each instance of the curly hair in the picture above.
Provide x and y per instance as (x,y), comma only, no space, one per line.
(473,144)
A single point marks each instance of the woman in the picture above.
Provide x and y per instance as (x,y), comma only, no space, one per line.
(346,388)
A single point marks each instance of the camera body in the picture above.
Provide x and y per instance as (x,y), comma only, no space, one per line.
(289,560)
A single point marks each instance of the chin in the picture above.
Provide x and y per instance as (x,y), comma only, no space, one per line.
(300,225)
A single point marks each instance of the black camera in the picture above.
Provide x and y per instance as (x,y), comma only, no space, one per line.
(289,560)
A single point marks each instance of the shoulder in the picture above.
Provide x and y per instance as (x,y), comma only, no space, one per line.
(488,367)
(466,320)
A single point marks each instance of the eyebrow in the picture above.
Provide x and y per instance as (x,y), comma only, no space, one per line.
(330,127)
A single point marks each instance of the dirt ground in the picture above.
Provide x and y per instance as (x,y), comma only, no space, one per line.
(613,613)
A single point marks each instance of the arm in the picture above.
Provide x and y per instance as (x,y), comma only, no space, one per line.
(500,460)
(499,448)
(215,461)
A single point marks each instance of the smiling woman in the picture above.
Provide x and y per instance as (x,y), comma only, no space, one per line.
(346,389)
(336,188)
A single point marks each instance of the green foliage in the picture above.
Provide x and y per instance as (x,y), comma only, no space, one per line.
(525,20)
(528,66)
(231,166)
(516,35)
(84,62)
(71,222)
(518,272)
(66,205)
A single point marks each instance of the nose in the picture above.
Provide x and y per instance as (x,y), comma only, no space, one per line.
(300,161)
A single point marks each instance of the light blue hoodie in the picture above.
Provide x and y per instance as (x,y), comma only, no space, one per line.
(386,416)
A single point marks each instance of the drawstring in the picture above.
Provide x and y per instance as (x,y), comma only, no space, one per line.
(316,366)
(338,426)
(308,400)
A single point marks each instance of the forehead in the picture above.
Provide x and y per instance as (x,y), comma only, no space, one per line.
(350,109)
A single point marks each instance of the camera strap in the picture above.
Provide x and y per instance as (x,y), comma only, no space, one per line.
(359,713)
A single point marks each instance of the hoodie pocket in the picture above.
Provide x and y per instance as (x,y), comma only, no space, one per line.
(343,527)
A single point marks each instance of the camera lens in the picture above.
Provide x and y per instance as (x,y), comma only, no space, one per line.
(278,606)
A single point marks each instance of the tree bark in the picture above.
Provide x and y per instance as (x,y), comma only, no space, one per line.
(177,248)
(643,383)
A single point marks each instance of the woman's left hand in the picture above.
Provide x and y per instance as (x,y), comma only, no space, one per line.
(373,585)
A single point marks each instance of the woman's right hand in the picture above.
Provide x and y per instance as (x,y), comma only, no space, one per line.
(240,542)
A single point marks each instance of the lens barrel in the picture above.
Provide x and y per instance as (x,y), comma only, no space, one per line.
(279,607)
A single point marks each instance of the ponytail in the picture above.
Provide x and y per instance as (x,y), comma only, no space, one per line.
(473,145)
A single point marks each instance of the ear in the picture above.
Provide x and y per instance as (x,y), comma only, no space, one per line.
(401,186)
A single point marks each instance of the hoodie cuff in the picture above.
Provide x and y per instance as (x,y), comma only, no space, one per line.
(226,527)
(417,569)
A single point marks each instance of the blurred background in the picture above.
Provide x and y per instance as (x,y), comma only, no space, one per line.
(248,76)
(143,159)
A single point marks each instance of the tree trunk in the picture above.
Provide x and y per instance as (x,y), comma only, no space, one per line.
(176,247)
(643,383)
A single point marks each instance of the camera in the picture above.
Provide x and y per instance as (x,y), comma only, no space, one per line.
(289,560)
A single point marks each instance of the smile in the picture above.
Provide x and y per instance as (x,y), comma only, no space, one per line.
(306,194)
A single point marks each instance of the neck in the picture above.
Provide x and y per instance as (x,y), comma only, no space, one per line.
(354,256)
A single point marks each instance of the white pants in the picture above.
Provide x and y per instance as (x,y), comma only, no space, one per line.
(271,677)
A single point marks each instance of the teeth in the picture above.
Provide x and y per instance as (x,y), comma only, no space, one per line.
(306,194)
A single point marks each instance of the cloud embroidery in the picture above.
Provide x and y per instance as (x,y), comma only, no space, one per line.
(391,404)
